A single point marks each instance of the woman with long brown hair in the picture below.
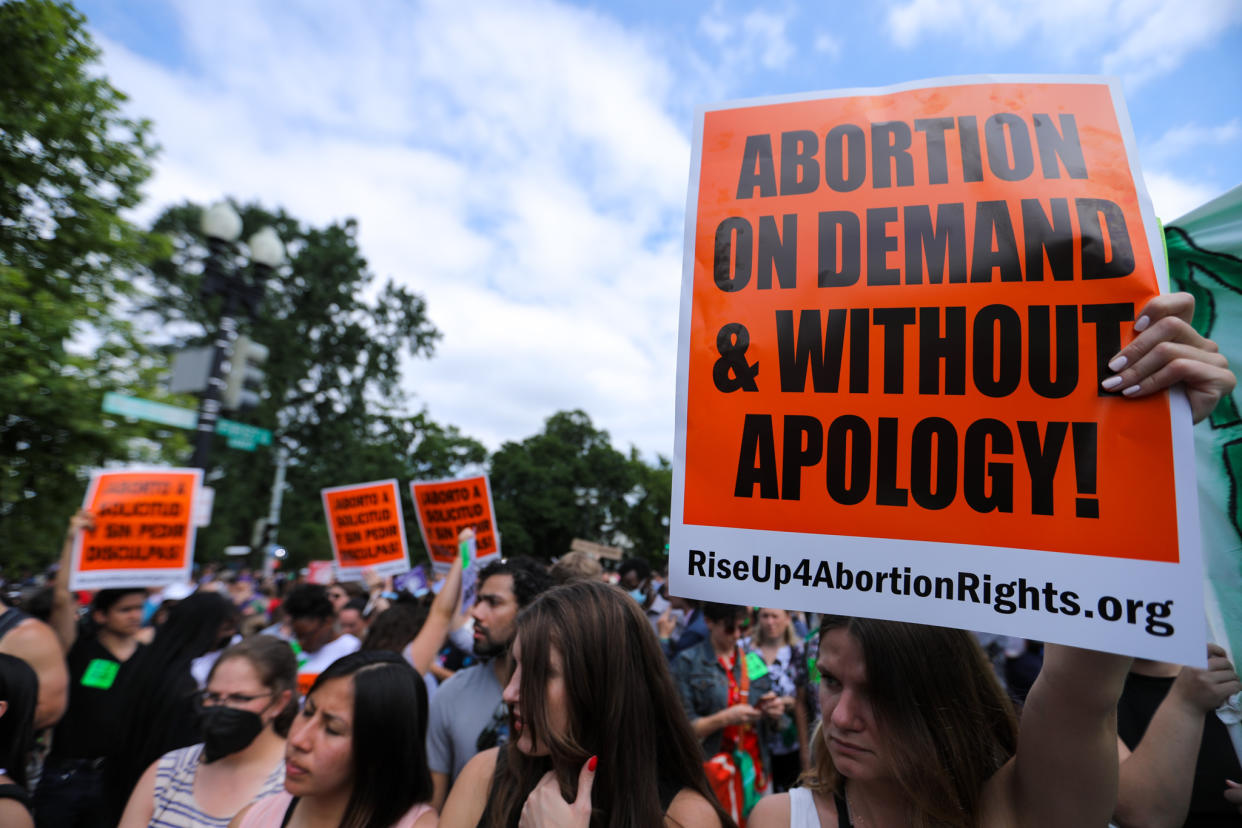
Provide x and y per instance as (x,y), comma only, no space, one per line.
(355,757)
(914,726)
(916,730)
(598,732)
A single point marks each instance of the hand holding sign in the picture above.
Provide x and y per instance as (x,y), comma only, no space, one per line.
(82,520)
(1205,690)
(64,616)
(1168,350)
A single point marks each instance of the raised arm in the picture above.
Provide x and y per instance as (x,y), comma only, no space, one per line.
(64,617)
(1157,777)
(1065,770)
(422,650)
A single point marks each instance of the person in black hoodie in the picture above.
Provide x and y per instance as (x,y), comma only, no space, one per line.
(155,708)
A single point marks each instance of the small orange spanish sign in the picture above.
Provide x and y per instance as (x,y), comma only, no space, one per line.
(366,528)
(898,308)
(446,507)
(144,529)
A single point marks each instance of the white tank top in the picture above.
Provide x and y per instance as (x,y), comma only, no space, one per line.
(802,812)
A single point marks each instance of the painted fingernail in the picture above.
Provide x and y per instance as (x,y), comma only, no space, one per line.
(1142,323)
(1131,391)
(591,763)
(1118,362)
(1110,383)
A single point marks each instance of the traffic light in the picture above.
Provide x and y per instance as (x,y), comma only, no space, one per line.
(245,378)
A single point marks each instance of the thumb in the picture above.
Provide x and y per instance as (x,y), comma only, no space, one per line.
(586,780)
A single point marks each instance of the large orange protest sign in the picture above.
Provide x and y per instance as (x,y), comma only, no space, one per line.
(898,308)
(366,528)
(144,529)
(446,507)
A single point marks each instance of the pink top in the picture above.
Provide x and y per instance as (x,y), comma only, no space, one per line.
(269,811)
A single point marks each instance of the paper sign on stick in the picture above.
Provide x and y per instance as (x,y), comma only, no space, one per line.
(364,522)
(898,306)
(144,529)
(445,507)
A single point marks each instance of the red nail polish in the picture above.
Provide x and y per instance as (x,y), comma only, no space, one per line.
(591,763)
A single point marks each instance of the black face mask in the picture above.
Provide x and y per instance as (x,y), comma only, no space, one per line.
(227,731)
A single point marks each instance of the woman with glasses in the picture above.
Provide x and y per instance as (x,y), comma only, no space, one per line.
(246,707)
(153,698)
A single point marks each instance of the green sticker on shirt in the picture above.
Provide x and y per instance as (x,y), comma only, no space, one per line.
(100,673)
(756,668)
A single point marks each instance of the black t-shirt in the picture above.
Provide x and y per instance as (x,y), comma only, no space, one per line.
(84,731)
(1217,761)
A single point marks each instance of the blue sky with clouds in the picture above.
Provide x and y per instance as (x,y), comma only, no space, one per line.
(524,164)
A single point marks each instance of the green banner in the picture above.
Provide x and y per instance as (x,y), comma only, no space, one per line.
(1205,259)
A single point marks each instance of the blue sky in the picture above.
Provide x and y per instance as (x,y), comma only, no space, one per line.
(524,164)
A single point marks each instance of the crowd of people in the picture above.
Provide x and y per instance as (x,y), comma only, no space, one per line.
(567,695)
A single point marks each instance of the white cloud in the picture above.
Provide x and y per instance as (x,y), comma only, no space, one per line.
(1180,140)
(1136,39)
(513,161)
(1165,160)
(1173,197)
(828,44)
(758,38)
(1160,40)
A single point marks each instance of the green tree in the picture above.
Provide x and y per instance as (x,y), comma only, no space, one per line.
(569,482)
(70,164)
(646,521)
(333,399)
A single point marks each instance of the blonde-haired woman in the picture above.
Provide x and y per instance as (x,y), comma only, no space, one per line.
(774,641)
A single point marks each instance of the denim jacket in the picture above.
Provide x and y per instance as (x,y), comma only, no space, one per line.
(704,688)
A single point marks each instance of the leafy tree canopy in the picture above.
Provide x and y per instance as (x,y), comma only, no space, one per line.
(569,482)
(90,303)
(333,395)
(70,164)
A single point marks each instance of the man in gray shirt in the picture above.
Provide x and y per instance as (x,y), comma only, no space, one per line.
(467,714)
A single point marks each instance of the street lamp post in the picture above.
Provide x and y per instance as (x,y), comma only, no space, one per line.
(223,226)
